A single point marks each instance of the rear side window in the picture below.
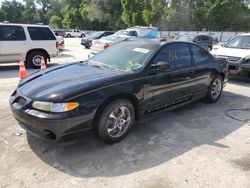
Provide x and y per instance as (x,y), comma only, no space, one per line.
(200,56)
(177,55)
(12,33)
(41,33)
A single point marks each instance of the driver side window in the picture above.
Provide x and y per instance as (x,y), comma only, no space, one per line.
(177,55)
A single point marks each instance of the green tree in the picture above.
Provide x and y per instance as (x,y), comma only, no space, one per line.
(12,11)
(55,22)
(29,12)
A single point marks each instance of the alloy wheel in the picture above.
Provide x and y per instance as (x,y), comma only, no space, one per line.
(36,60)
(216,88)
(118,121)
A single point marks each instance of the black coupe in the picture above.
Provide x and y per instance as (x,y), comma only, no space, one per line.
(111,90)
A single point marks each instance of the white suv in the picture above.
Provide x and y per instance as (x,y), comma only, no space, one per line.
(237,51)
(74,33)
(29,42)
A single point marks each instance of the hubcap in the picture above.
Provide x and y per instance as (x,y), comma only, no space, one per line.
(118,121)
(37,60)
(216,88)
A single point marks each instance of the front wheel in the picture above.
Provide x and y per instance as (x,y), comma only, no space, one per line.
(115,121)
(215,89)
(34,59)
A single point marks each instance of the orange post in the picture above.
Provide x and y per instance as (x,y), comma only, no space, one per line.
(22,70)
(43,64)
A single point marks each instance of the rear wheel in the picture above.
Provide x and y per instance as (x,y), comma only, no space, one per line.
(115,121)
(215,89)
(68,36)
(34,59)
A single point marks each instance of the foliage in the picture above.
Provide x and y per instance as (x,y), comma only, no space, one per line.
(218,15)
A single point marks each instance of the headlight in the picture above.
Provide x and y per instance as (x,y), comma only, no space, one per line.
(54,107)
(246,61)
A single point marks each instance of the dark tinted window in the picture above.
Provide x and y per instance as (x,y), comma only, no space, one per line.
(200,56)
(177,55)
(133,33)
(41,33)
(12,33)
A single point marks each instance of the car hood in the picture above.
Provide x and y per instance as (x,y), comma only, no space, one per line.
(88,38)
(62,82)
(242,53)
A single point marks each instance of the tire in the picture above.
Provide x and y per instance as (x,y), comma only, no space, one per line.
(119,125)
(68,36)
(87,47)
(34,59)
(209,48)
(82,36)
(215,89)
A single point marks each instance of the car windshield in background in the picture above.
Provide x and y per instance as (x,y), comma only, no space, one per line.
(111,37)
(121,32)
(186,38)
(123,56)
(97,34)
(242,42)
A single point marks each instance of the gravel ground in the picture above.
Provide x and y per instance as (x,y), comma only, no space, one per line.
(199,145)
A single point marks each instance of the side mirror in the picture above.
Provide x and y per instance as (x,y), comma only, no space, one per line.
(159,67)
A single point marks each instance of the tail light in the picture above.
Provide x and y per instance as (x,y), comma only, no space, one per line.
(57,45)
(106,45)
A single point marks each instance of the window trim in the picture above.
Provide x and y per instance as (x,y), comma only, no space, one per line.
(166,45)
(51,32)
(18,26)
(210,57)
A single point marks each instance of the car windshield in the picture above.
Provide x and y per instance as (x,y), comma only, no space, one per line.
(187,38)
(111,37)
(121,32)
(129,57)
(96,34)
(242,42)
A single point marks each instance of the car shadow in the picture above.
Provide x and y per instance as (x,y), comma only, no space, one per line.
(152,141)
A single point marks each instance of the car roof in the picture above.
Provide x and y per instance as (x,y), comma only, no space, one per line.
(245,34)
(142,42)
(25,25)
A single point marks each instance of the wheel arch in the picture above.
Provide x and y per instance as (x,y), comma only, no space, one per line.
(38,49)
(128,96)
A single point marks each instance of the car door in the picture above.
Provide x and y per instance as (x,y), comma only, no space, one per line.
(13,43)
(201,59)
(173,85)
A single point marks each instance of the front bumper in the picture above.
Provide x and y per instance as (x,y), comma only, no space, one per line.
(49,126)
(86,43)
(238,67)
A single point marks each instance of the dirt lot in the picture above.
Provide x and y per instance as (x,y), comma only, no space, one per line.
(200,145)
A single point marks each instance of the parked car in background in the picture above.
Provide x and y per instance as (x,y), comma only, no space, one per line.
(59,32)
(87,41)
(60,40)
(140,32)
(237,51)
(29,42)
(74,33)
(114,88)
(105,42)
(204,41)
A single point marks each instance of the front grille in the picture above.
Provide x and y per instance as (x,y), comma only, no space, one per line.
(232,59)
(232,67)
(21,101)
